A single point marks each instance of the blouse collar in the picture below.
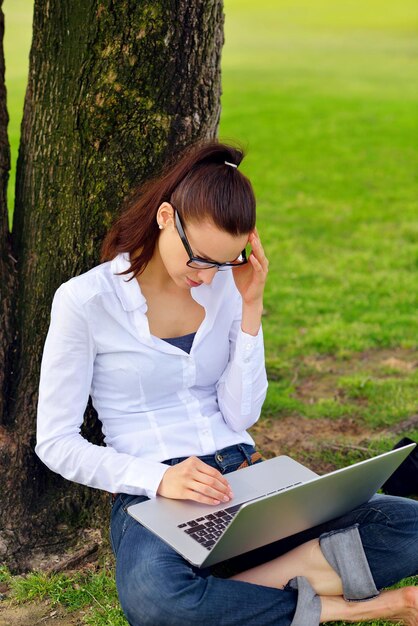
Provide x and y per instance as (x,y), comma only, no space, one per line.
(129,291)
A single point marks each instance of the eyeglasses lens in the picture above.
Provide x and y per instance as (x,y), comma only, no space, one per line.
(202,265)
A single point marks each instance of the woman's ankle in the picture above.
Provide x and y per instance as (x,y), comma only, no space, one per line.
(395,603)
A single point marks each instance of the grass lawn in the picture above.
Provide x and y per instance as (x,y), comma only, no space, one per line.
(323,96)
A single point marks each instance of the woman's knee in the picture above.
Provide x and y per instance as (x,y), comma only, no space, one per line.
(152,594)
(391,511)
(158,608)
(144,606)
(399,513)
(390,538)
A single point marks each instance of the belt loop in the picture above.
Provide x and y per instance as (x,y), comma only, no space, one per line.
(245,453)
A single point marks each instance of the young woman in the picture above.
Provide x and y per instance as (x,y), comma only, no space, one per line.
(165,335)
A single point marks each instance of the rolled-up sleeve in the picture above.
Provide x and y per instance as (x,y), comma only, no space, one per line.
(65,381)
(242,387)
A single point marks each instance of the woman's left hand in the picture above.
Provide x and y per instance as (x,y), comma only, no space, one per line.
(250,279)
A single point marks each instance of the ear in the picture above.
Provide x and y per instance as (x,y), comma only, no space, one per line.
(165,215)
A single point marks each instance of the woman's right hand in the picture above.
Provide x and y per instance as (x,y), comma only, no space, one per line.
(193,479)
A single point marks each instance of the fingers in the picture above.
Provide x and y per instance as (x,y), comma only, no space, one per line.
(207,484)
(205,493)
(195,480)
(196,496)
(256,264)
(257,257)
(212,484)
(251,278)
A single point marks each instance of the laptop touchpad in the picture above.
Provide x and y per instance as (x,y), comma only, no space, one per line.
(242,488)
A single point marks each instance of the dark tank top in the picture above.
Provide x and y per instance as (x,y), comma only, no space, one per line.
(184,342)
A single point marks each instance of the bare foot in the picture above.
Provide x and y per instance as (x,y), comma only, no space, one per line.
(395,605)
(409,613)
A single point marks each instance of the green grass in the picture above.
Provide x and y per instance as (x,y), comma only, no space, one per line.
(325,100)
(94,592)
(323,95)
(376,401)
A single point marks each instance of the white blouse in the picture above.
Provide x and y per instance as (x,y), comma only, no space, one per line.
(155,401)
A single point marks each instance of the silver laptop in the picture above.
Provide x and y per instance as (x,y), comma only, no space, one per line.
(272,500)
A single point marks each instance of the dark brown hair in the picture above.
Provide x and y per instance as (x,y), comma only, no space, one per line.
(200,185)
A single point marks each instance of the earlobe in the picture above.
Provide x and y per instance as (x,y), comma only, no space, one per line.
(165,215)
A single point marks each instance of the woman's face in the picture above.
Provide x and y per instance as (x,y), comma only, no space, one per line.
(206,240)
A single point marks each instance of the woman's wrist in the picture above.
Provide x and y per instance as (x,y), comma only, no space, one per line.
(251,318)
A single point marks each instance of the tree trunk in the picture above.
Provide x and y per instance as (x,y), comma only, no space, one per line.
(6,264)
(7,282)
(114,88)
(6,267)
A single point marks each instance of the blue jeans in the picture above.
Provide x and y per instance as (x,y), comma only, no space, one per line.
(157,587)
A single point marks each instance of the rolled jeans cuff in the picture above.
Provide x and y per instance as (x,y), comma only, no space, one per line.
(308,606)
(343,549)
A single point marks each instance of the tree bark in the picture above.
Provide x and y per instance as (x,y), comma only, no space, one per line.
(7,277)
(6,263)
(114,88)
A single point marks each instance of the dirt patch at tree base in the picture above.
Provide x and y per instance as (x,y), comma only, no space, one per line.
(38,614)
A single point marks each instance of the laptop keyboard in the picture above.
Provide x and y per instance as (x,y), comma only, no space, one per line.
(207,530)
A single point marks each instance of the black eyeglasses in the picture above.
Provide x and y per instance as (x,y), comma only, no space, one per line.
(196,261)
